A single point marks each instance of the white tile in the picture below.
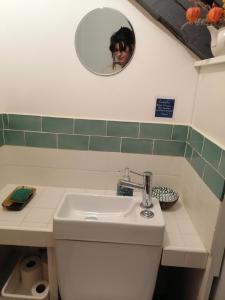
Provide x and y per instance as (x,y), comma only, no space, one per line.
(202,206)
(175,240)
(186,227)
(50,226)
(10,222)
(39,215)
(196,260)
(18,216)
(193,242)
(174,258)
(6,191)
(33,225)
(47,197)
(166,241)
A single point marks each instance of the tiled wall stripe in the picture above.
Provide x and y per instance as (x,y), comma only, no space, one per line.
(95,135)
(1,131)
(207,159)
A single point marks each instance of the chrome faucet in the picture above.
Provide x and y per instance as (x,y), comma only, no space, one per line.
(146,187)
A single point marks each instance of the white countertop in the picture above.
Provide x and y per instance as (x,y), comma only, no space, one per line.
(33,226)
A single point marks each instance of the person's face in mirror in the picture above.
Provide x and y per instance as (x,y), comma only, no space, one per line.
(122,56)
(122,46)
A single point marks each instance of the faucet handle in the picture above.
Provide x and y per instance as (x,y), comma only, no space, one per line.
(126,174)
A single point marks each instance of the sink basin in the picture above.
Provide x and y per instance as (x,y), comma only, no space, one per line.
(87,204)
(107,218)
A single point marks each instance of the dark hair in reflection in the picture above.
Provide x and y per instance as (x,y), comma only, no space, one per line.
(121,40)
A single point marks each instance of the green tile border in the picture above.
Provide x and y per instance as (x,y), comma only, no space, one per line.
(43,140)
(145,134)
(101,143)
(57,125)
(1,131)
(212,153)
(138,146)
(1,121)
(90,127)
(172,148)
(24,122)
(156,131)
(222,164)
(122,129)
(14,137)
(78,142)
(197,163)
(1,138)
(196,140)
(206,158)
(180,133)
(214,181)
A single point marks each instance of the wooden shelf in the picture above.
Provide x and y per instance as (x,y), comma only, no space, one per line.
(211,61)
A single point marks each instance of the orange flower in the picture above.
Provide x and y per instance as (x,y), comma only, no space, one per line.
(192,14)
(214,15)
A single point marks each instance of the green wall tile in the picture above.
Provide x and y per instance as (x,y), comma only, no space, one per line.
(211,152)
(1,138)
(79,142)
(90,127)
(169,148)
(58,125)
(45,140)
(196,141)
(1,121)
(5,121)
(180,132)
(197,163)
(188,152)
(214,181)
(136,146)
(189,134)
(122,129)
(14,137)
(155,131)
(22,122)
(111,144)
(222,164)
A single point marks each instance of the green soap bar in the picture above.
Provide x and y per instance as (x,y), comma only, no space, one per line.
(21,195)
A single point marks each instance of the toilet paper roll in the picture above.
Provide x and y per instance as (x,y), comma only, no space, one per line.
(40,290)
(31,271)
(44,263)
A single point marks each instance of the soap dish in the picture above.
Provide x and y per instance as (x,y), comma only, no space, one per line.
(19,198)
(166,196)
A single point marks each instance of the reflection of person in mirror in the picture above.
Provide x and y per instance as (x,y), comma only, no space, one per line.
(122,47)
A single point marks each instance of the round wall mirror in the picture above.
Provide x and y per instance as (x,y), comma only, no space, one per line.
(105,41)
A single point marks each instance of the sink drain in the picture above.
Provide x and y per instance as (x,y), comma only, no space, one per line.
(147,213)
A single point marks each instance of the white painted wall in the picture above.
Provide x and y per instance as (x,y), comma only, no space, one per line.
(41,74)
(209,110)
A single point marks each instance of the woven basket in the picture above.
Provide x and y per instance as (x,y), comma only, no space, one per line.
(166,196)
(167,205)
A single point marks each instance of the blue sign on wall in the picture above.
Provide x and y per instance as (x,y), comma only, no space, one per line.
(164,108)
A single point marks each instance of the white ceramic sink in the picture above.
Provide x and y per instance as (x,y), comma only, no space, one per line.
(94,205)
(107,218)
